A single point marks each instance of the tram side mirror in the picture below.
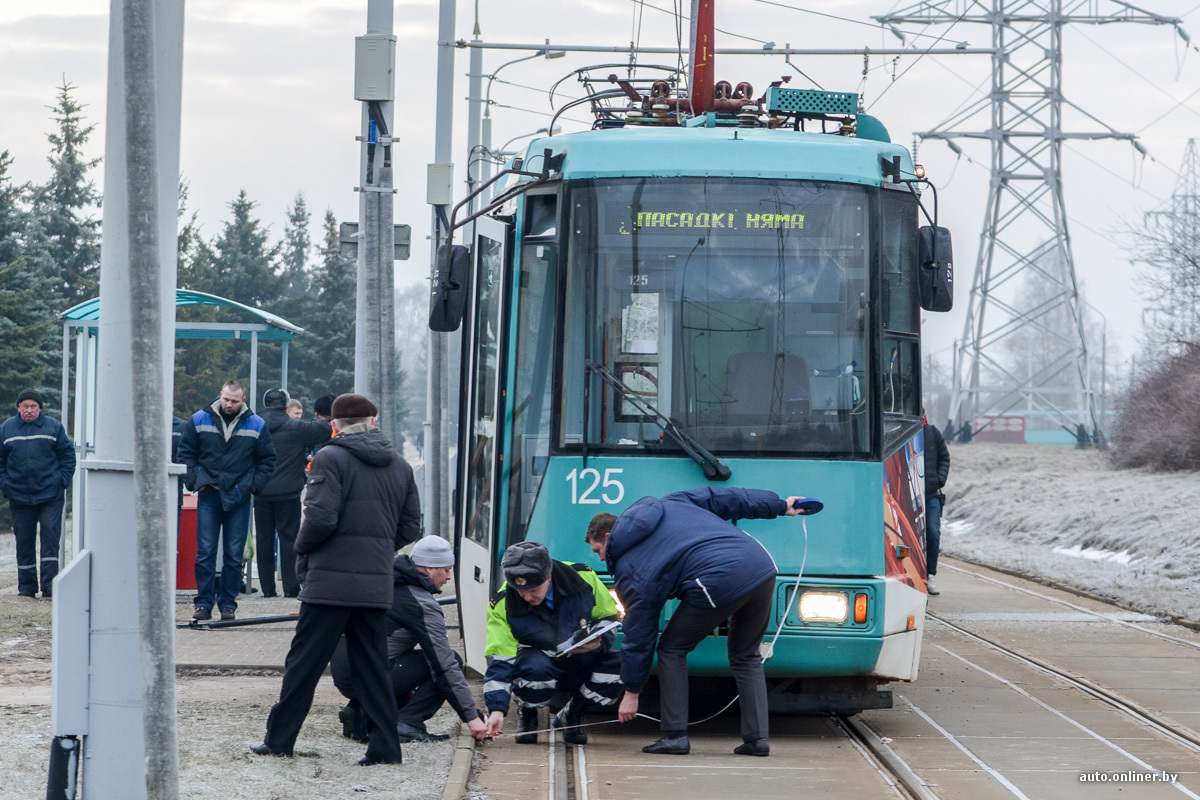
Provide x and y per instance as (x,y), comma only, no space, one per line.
(936,281)
(450,282)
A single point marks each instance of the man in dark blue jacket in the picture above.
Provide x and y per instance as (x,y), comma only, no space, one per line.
(37,461)
(277,503)
(684,546)
(229,456)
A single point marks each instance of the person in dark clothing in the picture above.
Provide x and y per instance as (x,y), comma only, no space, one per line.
(228,454)
(322,409)
(37,462)
(543,604)
(426,671)
(277,503)
(360,508)
(684,546)
(937,469)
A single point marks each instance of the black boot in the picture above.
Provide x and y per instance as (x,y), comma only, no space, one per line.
(568,721)
(354,723)
(526,722)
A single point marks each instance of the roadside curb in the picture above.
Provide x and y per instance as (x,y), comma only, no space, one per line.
(460,766)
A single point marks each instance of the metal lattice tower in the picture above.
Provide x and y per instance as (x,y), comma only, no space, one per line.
(1171,245)
(1025,226)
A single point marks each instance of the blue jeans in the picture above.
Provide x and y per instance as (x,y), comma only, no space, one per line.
(933,532)
(211,518)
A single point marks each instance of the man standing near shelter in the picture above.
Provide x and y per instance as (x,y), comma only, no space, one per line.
(360,508)
(277,504)
(542,605)
(684,546)
(228,455)
(37,461)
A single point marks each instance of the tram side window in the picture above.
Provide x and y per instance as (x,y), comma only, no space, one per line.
(534,372)
(901,368)
(898,246)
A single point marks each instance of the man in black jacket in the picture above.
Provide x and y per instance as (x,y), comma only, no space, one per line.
(37,461)
(937,469)
(426,671)
(361,507)
(277,504)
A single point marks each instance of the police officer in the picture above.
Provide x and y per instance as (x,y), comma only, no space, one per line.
(543,605)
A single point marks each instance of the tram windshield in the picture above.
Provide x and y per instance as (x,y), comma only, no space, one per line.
(737,308)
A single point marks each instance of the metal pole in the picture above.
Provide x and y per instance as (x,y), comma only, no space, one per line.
(283,367)
(128,706)
(252,400)
(435,452)
(151,443)
(474,103)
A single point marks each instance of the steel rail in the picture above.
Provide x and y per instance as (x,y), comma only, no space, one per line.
(885,759)
(1074,607)
(1183,736)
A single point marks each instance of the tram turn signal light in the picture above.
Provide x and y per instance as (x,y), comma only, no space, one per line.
(912,623)
(860,608)
(919,171)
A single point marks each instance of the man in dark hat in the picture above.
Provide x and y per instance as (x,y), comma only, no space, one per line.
(360,508)
(322,409)
(277,503)
(543,605)
(37,461)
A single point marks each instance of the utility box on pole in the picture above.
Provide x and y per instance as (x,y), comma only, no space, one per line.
(374,67)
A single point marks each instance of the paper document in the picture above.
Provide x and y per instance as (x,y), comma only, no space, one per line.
(594,633)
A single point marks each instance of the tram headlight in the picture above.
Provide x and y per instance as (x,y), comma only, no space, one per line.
(824,606)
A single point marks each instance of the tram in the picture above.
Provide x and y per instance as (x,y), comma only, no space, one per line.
(685,297)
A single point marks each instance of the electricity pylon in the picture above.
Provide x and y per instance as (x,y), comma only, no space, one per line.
(1170,243)
(1025,231)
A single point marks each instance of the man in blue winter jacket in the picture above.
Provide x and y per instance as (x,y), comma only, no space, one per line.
(683,546)
(37,461)
(228,454)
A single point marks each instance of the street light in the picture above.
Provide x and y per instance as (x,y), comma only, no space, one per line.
(486,124)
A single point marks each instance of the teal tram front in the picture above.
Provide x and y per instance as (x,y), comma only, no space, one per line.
(657,307)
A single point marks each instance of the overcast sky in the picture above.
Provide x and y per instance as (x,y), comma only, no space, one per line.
(268,105)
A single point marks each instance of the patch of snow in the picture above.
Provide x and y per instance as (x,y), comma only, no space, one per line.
(957,527)
(1092,554)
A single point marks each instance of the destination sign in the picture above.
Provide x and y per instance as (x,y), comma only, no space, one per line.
(734,220)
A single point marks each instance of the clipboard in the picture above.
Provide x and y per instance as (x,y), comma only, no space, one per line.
(596,632)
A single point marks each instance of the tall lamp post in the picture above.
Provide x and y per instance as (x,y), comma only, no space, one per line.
(486,124)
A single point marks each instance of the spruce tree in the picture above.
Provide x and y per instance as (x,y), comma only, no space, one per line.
(321,360)
(245,266)
(66,205)
(296,245)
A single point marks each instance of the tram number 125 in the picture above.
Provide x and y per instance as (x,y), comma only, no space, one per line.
(589,480)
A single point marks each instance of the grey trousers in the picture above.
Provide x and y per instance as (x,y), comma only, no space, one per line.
(748,616)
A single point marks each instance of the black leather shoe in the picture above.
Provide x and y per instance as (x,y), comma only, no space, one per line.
(227,614)
(568,721)
(202,614)
(759,747)
(263,750)
(367,761)
(525,723)
(411,733)
(354,725)
(269,594)
(678,746)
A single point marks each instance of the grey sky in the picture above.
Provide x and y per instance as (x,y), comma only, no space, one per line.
(268,106)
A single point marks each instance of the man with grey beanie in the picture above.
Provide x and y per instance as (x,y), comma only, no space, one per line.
(544,605)
(425,669)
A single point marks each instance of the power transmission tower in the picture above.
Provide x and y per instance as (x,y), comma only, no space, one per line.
(1170,244)
(1025,226)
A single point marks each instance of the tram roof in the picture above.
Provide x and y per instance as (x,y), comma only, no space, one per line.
(719,152)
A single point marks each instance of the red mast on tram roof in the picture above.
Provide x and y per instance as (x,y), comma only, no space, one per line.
(700,81)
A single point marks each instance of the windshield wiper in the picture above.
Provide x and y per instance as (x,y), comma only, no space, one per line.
(714,470)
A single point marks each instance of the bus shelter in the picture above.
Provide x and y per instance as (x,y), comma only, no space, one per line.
(81,323)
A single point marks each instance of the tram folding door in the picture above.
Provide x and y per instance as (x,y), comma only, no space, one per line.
(479,450)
